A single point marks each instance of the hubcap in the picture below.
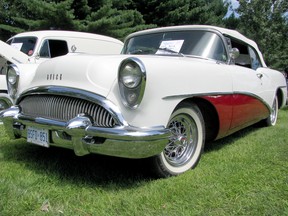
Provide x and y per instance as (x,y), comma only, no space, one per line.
(183,143)
(273,113)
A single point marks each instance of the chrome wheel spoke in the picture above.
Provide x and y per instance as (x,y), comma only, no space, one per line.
(182,144)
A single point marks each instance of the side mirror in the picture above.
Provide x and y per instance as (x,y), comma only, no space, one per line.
(37,56)
(234,53)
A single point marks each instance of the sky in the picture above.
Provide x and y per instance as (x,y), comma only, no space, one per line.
(234,4)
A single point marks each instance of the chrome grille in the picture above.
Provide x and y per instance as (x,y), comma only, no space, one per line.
(64,108)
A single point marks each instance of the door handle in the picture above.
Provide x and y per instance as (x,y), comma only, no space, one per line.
(259,75)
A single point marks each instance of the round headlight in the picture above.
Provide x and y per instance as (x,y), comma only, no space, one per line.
(131,75)
(132,81)
(11,75)
(12,79)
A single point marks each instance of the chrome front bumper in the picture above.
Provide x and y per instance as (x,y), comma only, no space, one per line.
(80,135)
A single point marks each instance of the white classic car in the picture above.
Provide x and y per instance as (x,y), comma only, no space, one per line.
(27,50)
(169,91)
(285,73)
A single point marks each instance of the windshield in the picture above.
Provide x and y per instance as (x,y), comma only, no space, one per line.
(197,43)
(24,44)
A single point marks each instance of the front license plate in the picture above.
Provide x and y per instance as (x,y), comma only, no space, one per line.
(38,136)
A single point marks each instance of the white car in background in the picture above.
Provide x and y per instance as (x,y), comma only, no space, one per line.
(171,90)
(27,50)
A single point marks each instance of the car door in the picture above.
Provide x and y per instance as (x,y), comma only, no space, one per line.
(250,86)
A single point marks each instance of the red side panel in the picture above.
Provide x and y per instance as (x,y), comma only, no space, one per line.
(224,107)
(247,109)
(237,111)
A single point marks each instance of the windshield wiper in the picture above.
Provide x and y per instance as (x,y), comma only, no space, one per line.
(171,51)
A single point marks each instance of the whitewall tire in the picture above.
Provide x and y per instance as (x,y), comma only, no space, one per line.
(186,145)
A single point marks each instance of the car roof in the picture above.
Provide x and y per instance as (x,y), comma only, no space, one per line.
(224,31)
(61,33)
(228,32)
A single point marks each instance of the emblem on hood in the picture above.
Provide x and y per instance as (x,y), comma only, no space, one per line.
(54,76)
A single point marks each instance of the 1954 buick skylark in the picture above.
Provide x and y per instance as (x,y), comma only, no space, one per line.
(169,91)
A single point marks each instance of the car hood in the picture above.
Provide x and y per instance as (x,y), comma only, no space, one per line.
(12,55)
(89,72)
(95,73)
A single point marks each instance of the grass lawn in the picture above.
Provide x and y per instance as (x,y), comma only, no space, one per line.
(243,174)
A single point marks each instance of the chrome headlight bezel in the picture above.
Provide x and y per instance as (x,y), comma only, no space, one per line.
(132,81)
(12,79)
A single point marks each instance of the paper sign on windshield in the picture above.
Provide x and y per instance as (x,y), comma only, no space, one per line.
(17,46)
(173,45)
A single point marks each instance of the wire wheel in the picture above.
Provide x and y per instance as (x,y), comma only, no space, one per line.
(272,119)
(184,141)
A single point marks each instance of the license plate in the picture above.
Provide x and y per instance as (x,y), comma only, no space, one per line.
(38,136)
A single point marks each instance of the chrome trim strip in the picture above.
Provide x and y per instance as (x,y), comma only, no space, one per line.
(184,96)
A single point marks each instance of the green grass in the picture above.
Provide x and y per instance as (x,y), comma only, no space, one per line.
(243,174)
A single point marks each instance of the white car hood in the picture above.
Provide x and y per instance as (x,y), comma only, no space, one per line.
(12,55)
(93,73)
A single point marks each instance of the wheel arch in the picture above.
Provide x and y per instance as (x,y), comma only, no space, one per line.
(280,97)
(209,113)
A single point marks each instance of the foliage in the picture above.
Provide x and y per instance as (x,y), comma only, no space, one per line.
(179,12)
(243,174)
(267,23)
(101,17)
(109,20)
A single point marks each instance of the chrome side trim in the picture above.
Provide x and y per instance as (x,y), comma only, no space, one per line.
(184,96)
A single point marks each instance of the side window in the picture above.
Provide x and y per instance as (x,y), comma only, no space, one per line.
(244,57)
(44,51)
(254,58)
(248,56)
(58,48)
(53,48)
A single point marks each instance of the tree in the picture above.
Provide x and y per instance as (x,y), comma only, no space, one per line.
(266,22)
(7,24)
(102,17)
(179,12)
(109,20)
(20,15)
